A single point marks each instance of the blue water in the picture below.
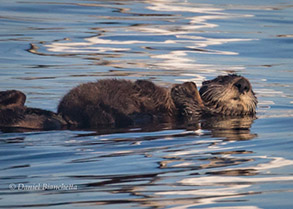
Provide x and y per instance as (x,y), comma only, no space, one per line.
(48,47)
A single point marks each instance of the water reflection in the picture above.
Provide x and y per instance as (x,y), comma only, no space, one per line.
(196,157)
(166,158)
(232,129)
(168,42)
(175,168)
(49,47)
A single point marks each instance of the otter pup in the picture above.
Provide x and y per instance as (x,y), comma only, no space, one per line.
(13,114)
(121,103)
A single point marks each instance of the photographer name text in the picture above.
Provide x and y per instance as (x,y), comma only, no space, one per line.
(41,187)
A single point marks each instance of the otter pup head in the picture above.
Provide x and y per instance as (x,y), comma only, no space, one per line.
(228,95)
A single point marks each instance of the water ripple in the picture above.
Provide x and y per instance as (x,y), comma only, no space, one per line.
(49,47)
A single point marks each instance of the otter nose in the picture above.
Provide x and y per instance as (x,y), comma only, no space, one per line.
(243,85)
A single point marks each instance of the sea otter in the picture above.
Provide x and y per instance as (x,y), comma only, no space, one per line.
(13,114)
(229,95)
(121,103)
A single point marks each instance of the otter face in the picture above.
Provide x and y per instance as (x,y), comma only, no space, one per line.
(228,95)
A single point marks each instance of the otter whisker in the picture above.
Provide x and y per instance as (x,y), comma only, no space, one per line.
(222,97)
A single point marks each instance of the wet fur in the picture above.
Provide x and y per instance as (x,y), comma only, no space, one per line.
(122,103)
(13,114)
(222,97)
(116,102)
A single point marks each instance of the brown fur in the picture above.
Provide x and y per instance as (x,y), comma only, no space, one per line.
(13,114)
(121,103)
(12,98)
(116,102)
(228,95)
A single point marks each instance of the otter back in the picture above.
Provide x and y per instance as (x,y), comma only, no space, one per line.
(116,103)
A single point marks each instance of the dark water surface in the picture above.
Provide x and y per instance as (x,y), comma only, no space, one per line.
(47,47)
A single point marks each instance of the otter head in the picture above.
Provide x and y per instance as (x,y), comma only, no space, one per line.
(228,95)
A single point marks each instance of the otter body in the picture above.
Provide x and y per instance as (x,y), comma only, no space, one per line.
(117,102)
(122,103)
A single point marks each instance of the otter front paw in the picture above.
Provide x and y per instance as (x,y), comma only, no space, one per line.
(187,100)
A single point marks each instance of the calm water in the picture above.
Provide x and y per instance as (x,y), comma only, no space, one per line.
(47,47)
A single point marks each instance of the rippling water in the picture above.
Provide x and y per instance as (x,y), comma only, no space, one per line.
(47,47)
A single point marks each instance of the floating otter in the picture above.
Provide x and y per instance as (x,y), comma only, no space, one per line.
(230,95)
(122,103)
(13,114)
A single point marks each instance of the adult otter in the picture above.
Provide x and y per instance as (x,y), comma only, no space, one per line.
(121,103)
(13,114)
(229,95)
